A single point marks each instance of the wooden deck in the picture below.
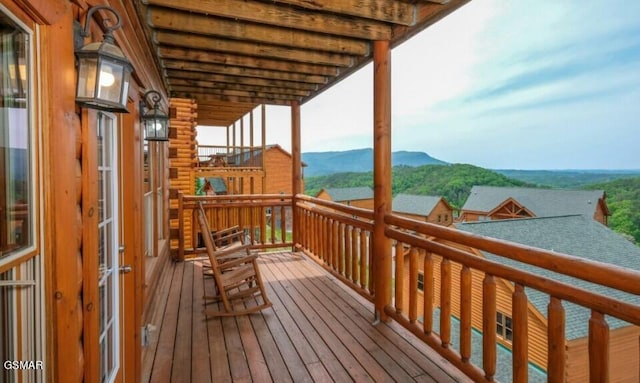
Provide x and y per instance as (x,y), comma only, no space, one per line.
(317,331)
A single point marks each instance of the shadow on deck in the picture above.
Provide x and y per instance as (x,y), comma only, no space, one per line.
(317,330)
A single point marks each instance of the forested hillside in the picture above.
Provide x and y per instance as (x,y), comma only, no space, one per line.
(567,179)
(623,199)
(454,182)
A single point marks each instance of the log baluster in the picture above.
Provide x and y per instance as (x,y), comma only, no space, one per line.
(489,326)
(520,335)
(465,313)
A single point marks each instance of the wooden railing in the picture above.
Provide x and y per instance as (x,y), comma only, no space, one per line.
(265,219)
(452,249)
(229,156)
(338,237)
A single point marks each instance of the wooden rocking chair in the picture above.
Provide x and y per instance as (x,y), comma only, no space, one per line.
(237,276)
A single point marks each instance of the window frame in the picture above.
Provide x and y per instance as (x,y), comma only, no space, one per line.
(503,330)
(15,258)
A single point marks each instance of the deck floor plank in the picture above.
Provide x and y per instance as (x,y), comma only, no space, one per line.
(317,331)
(184,331)
(159,303)
(163,362)
(219,359)
(313,348)
(200,362)
(342,341)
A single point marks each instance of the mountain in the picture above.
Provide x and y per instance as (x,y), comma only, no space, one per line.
(359,160)
(454,182)
(567,178)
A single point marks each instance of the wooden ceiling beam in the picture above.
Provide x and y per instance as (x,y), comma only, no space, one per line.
(289,17)
(219,115)
(245,72)
(213,121)
(231,86)
(223,111)
(396,12)
(428,13)
(246,106)
(165,18)
(209,57)
(204,76)
(248,95)
(207,97)
(249,49)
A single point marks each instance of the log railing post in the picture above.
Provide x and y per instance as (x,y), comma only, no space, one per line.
(598,348)
(520,335)
(381,173)
(556,341)
(489,327)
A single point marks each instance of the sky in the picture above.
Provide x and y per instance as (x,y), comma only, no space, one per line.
(526,84)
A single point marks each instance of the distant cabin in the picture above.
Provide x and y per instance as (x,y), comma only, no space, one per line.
(433,209)
(278,170)
(577,235)
(359,196)
(493,203)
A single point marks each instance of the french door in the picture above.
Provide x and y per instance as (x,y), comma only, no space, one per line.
(108,248)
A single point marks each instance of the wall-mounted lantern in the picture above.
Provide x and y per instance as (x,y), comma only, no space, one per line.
(155,123)
(103,70)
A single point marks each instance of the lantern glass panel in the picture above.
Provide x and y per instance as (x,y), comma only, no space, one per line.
(111,81)
(87,77)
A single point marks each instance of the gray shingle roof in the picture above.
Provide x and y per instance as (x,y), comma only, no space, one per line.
(415,204)
(542,202)
(575,235)
(350,194)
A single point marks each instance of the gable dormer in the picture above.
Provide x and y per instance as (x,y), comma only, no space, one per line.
(510,209)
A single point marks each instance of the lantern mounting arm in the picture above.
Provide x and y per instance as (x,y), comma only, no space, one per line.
(156,97)
(108,35)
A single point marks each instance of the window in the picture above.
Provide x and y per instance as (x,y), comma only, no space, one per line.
(439,218)
(154,205)
(16,201)
(446,217)
(421,282)
(21,300)
(504,327)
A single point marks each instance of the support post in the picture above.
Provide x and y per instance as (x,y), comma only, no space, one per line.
(296,171)
(263,137)
(381,174)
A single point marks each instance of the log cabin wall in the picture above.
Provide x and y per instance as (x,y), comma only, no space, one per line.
(183,158)
(624,353)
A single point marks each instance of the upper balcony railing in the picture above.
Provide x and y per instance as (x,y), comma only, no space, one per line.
(212,156)
(455,282)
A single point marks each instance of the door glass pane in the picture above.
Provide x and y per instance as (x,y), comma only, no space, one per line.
(16,207)
(108,249)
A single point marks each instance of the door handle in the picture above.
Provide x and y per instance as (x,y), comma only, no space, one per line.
(126,269)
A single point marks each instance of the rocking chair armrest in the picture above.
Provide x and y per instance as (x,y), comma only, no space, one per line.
(239,261)
(233,250)
(219,239)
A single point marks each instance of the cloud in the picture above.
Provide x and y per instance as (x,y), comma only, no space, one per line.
(500,84)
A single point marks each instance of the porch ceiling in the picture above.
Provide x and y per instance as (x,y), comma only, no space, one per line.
(231,55)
